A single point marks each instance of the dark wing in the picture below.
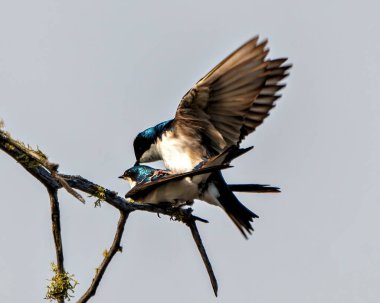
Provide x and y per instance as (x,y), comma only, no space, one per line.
(144,188)
(234,97)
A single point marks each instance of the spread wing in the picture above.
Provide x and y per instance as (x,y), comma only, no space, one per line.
(145,187)
(234,97)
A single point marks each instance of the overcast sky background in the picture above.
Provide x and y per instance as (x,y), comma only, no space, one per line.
(80,79)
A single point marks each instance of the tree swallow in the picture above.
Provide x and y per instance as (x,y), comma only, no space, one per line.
(155,186)
(219,111)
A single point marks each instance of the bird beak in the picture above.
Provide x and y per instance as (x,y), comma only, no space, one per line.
(121,177)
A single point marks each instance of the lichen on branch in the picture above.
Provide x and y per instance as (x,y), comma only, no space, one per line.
(61,285)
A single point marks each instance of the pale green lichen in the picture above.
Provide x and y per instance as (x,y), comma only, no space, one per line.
(9,146)
(101,195)
(27,161)
(31,157)
(61,285)
(41,154)
(105,253)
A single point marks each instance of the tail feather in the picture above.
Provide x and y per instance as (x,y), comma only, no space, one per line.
(239,214)
(254,188)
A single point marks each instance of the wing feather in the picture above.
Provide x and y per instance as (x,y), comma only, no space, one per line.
(234,97)
(146,187)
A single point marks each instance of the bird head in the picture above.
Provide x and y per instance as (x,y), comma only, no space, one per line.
(145,143)
(137,174)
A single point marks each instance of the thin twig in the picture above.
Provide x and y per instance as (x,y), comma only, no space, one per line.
(56,227)
(31,158)
(197,238)
(67,187)
(108,255)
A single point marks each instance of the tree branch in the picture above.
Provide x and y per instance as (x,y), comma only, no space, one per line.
(197,238)
(37,164)
(35,161)
(108,255)
(56,226)
(41,173)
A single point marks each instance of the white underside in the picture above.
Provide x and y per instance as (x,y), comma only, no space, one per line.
(178,156)
(177,192)
(131,183)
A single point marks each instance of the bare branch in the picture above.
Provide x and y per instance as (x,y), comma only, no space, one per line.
(108,255)
(31,159)
(56,227)
(197,238)
(68,188)
(41,173)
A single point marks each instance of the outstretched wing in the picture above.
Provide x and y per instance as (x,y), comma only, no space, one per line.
(145,187)
(234,97)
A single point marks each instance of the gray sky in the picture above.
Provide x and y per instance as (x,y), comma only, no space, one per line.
(81,78)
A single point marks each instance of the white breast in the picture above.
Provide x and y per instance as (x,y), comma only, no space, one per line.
(132,183)
(177,154)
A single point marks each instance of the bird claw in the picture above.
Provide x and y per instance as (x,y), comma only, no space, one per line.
(159,173)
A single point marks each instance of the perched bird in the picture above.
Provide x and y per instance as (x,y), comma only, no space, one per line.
(154,186)
(219,111)
(177,189)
